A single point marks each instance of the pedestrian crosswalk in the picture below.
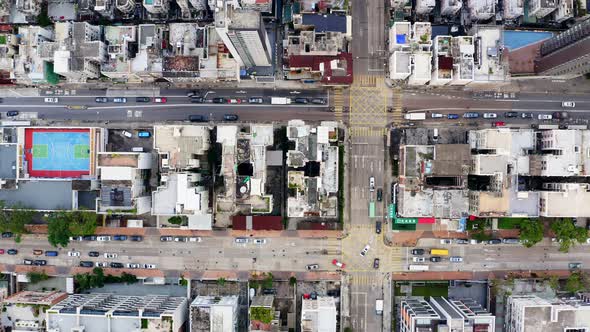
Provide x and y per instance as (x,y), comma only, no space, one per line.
(338,103)
(365,279)
(366,80)
(397,109)
(366,132)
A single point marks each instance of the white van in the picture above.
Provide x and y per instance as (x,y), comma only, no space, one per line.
(436,115)
(435,134)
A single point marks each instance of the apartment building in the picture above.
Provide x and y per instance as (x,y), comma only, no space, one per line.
(482,10)
(424,7)
(261,307)
(562,153)
(318,315)
(541,8)
(22,311)
(9,44)
(157,7)
(29,66)
(450,7)
(490,64)
(442,314)
(513,9)
(214,314)
(187,45)
(147,64)
(121,41)
(411,52)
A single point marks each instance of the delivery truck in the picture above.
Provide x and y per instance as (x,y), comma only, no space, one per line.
(415,116)
(379,307)
(280,100)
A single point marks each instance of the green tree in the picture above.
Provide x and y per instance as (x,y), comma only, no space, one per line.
(43,19)
(348,329)
(15,219)
(531,232)
(82,223)
(577,281)
(268,280)
(261,314)
(568,234)
(292,281)
(58,230)
(221,281)
(554,282)
(35,277)
(176,220)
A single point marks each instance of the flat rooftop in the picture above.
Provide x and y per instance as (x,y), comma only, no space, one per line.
(40,195)
(7,161)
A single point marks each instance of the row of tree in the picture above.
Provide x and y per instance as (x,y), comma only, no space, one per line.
(98,279)
(566,233)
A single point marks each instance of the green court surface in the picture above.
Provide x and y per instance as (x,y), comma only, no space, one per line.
(81,151)
(40,150)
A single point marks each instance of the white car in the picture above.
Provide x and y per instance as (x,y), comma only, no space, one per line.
(149,266)
(446,241)
(418,259)
(241,240)
(436,115)
(365,250)
(490,115)
(372,183)
(126,134)
(133,266)
(568,104)
(110,255)
(260,241)
(101,264)
(545,117)
(103,238)
(456,259)
(73,253)
(76,238)
(194,239)
(120,100)
(52,100)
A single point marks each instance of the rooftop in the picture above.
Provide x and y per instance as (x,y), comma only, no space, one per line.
(181,194)
(181,145)
(326,22)
(245,19)
(34,297)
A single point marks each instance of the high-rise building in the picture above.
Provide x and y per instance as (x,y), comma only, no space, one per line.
(566,55)
(530,313)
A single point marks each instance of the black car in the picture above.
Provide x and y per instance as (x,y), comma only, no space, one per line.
(378,227)
(393,193)
(93,253)
(379,195)
(116,265)
(120,237)
(230,117)
(12,113)
(12,251)
(435,259)
(219,100)
(301,100)
(101,100)
(40,262)
(136,238)
(89,237)
(1,100)
(197,118)
(86,264)
(197,100)
(494,241)
(376,263)
(318,101)
(511,114)
(6,235)
(417,252)
(560,115)
(142,99)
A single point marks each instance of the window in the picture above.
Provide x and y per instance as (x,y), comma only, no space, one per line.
(576,149)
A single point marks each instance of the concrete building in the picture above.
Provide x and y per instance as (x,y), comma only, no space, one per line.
(263,305)
(566,55)
(541,8)
(313,169)
(147,64)
(411,52)
(499,157)
(105,8)
(463,50)
(442,314)
(9,45)
(424,7)
(24,311)
(214,314)
(109,312)
(29,67)
(482,10)
(188,44)
(530,313)
(564,10)
(318,315)
(513,9)
(124,178)
(259,5)
(78,51)
(121,48)
(490,63)
(564,200)
(442,71)
(315,43)
(126,7)
(450,7)
(157,7)
(244,34)
(562,153)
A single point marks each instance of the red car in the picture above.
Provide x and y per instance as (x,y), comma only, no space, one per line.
(338,263)
(160,100)
(1,251)
(499,124)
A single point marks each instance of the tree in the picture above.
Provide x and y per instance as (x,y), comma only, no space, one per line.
(348,329)
(292,281)
(176,220)
(15,219)
(267,282)
(58,230)
(577,281)
(531,232)
(221,281)
(82,223)
(554,283)
(35,277)
(568,234)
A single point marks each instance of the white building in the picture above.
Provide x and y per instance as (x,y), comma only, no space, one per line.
(513,9)
(564,153)
(490,63)
(126,6)
(121,39)
(530,313)
(463,52)
(424,7)
(109,312)
(157,7)
(450,7)
(411,52)
(482,10)
(29,66)
(318,315)
(214,314)
(541,8)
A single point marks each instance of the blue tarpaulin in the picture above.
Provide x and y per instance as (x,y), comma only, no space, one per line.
(400,39)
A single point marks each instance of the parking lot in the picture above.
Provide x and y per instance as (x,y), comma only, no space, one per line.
(118,142)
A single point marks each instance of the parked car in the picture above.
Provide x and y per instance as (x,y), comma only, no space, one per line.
(180,239)
(194,239)
(12,251)
(86,264)
(101,264)
(40,262)
(372,183)
(436,259)
(511,240)
(560,115)
(160,100)
(474,241)
(498,124)
(101,99)
(52,100)
(511,114)
(166,238)
(142,99)
(89,237)
(218,100)
(120,100)
(37,252)
(197,100)
(456,259)
(379,195)
(110,255)
(126,134)
(494,241)
(376,263)
(378,227)
(116,265)
(73,254)
(93,254)
(197,118)
(143,134)
(436,115)
(490,115)
(120,237)
(149,266)
(312,267)
(318,101)
(230,117)
(235,101)
(133,266)
(76,238)
(192,93)
(452,116)
(12,113)
(545,117)
(417,252)
(103,238)
(462,241)
(51,253)
(6,235)
(446,241)
(28,261)
(301,100)
(526,115)
(365,250)
(574,266)
(418,259)
(1,251)
(241,240)
(136,238)
(255,100)
(338,263)
(259,241)
(471,115)
(568,104)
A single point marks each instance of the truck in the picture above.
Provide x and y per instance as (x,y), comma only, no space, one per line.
(379,307)
(280,100)
(415,116)
(417,267)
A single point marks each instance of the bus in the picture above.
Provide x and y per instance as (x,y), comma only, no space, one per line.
(439,252)
(372,210)
(415,267)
